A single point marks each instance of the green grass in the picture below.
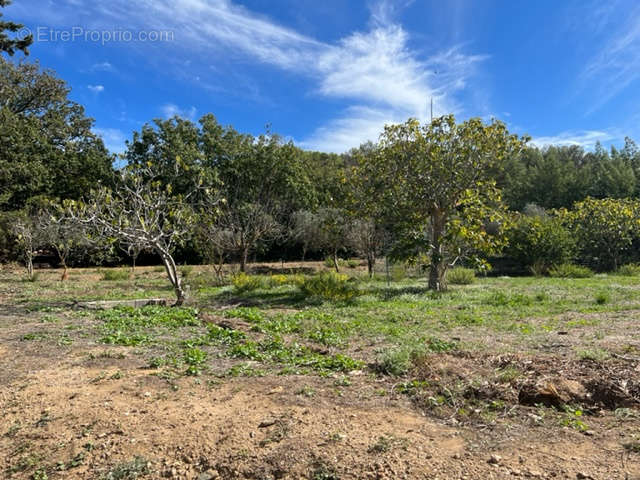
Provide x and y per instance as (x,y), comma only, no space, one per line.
(281,329)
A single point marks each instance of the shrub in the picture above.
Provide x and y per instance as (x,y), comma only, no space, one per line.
(353,263)
(329,286)
(537,243)
(279,280)
(569,270)
(115,274)
(328,262)
(629,270)
(396,361)
(243,283)
(186,271)
(602,298)
(195,360)
(461,276)
(605,230)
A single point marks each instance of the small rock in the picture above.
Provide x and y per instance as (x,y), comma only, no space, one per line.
(583,476)
(267,423)
(494,459)
(589,433)
(205,476)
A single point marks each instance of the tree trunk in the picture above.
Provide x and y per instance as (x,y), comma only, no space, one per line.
(243,260)
(371,263)
(304,252)
(29,262)
(133,264)
(65,273)
(335,261)
(174,278)
(437,267)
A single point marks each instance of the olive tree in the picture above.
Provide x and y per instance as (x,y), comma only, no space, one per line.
(437,181)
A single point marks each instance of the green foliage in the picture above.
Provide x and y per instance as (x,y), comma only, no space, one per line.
(330,286)
(538,243)
(136,468)
(605,230)
(195,359)
(131,326)
(243,283)
(395,361)
(569,270)
(10,45)
(274,349)
(629,270)
(186,271)
(461,276)
(48,148)
(115,274)
(602,298)
(438,187)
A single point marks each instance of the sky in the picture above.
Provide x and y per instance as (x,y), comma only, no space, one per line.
(329,74)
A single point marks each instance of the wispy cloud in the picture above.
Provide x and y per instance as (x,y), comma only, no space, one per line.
(170,110)
(375,72)
(96,88)
(616,65)
(586,139)
(113,138)
(102,67)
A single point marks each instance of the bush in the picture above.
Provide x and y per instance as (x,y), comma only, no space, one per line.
(605,230)
(461,276)
(328,262)
(329,286)
(186,271)
(280,280)
(602,298)
(629,270)
(115,274)
(538,243)
(243,283)
(569,270)
(395,361)
(353,263)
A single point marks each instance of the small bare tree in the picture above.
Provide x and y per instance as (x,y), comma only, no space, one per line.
(333,228)
(245,227)
(24,229)
(304,229)
(367,238)
(141,213)
(63,234)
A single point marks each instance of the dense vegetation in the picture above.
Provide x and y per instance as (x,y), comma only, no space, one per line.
(443,194)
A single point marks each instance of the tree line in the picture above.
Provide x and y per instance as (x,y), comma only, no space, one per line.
(443,194)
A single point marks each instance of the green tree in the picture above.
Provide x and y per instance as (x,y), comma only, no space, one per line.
(47,147)
(263,183)
(8,44)
(539,242)
(605,230)
(438,180)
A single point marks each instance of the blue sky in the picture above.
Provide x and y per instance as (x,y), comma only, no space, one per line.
(329,74)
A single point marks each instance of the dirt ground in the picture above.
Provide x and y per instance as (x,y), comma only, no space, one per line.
(89,411)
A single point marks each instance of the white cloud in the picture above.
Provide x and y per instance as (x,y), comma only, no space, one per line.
(374,71)
(102,67)
(113,138)
(171,110)
(615,65)
(96,88)
(585,138)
